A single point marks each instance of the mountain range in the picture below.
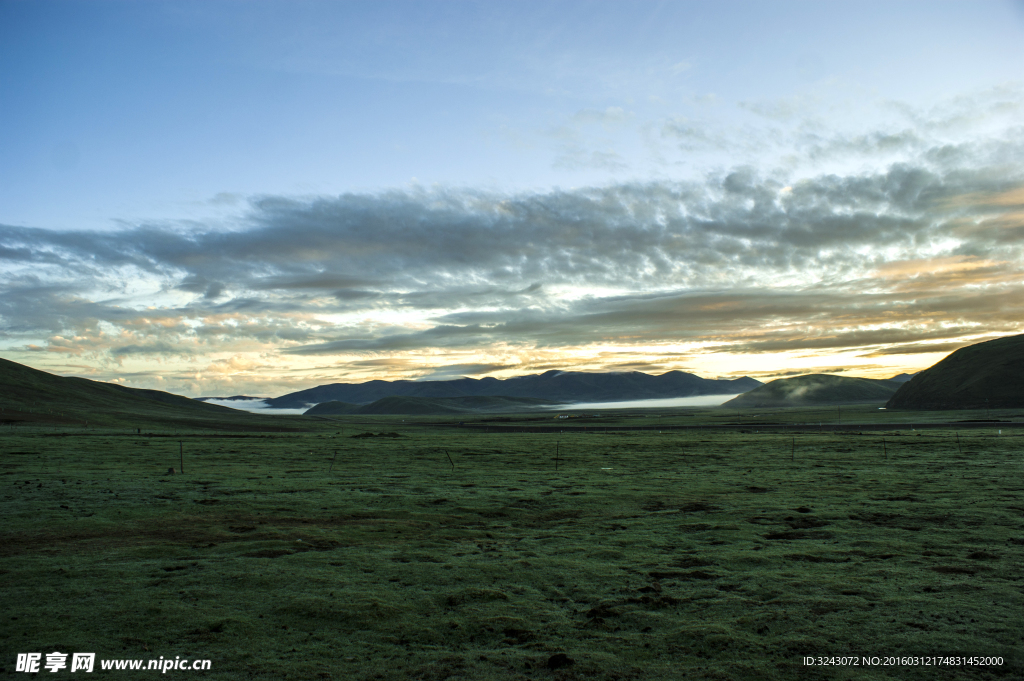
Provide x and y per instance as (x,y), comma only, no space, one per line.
(395,404)
(556,386)
(984,375)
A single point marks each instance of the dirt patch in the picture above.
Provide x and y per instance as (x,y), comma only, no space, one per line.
(982,555)
(200,531)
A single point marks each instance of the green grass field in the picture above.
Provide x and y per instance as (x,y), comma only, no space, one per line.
(645,555)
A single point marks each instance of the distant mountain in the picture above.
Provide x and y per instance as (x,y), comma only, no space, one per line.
(559,386)
(432,405)
(27,394)
(233,398)
(816,389)
(902,378)
(980,376)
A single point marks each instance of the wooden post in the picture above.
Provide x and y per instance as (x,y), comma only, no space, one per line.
(332,461)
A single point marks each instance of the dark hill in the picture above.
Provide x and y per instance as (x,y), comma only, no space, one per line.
(397,405)
(559,386)
(233,398)
(408,406)
(980,376)
(816,389)
(30,395)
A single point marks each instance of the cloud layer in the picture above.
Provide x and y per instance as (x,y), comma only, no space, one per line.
(916,256)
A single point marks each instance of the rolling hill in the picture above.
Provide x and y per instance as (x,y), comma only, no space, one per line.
(558,386)
(816,389)
(402,405)
(28,395)
(980,376)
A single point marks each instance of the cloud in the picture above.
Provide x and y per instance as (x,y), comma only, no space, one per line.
(697,135)
(157,348)
(680,67)
(922,348)
(613,115)
(579,146)
(451,371)
(576,157)
(781,109)
(255,406)
(921,252)
(803,372)
(438,336)
(226,199)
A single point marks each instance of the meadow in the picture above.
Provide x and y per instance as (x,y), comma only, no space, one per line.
(382,548)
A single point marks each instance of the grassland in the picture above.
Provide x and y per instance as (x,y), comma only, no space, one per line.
(457,553)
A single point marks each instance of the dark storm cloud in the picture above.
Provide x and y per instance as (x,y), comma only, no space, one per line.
(752,261)
(438,336)
(634,233)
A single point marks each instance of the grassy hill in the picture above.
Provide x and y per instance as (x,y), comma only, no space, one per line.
(30,396)
(980,376)
(816,389)
(398,405)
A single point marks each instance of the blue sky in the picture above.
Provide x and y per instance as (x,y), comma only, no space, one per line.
(261,196)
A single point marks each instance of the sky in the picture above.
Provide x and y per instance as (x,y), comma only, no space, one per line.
(254,198)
